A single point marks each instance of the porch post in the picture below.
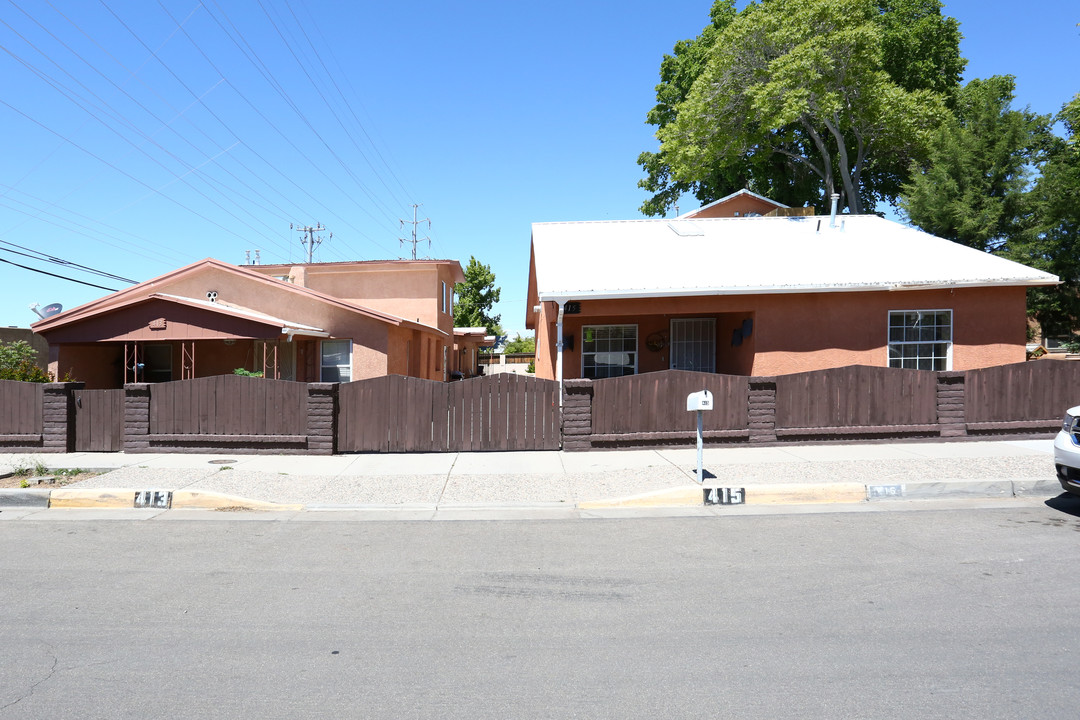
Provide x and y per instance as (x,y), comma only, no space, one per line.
(559,348)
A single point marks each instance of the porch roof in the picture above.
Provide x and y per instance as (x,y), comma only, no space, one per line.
(288,327)
(756,255)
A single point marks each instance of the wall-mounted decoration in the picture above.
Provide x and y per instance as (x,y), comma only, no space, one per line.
(158,324)
(657,341)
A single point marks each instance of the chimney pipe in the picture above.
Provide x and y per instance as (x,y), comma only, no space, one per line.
(832,216)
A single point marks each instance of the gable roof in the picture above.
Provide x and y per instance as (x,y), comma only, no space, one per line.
(716,204)
(756,255)
(141,291)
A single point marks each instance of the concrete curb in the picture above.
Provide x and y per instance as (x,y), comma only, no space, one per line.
(681,496)
(118,498)
(24,498)
(206,500)
(831,493)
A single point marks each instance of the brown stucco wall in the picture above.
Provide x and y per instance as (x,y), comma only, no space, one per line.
(406,289)
(800,332)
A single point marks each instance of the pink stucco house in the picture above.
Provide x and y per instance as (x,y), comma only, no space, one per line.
(746,286)
(324,322)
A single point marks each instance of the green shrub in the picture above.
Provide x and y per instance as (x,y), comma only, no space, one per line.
(18,361)
(246,373)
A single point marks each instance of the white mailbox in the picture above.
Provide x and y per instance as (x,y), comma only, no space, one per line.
(699,401)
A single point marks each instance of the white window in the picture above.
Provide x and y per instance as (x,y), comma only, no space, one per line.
(608,350)
(920,339)
(693,344)
(336,365)
(445,299)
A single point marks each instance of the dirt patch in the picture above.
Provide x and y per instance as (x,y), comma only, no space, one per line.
(44,482)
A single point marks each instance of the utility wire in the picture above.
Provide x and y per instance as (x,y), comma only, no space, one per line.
(62,277)
(278,130)
(36,255)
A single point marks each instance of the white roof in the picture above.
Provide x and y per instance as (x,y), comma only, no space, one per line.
(757,255)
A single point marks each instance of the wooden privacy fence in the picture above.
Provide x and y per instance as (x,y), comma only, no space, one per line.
(99,420)
(652,407)
(835,404)
(511,412)
(227,410)
(404,414)
(1019,397)
(856,400)
(20,414)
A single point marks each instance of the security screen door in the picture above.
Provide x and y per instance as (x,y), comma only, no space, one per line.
(693,344)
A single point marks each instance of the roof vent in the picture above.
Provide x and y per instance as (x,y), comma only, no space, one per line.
(212,296)
(683,228)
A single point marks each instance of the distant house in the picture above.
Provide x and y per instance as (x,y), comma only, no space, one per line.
(317,322)
(727,289)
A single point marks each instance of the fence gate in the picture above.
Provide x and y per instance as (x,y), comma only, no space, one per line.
(405,414)
(99,420)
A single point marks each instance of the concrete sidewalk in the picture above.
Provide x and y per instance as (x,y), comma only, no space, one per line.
(791,474)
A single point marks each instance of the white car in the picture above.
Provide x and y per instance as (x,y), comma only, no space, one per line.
(1067,451)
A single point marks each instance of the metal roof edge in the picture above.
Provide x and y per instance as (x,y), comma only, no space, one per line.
(786,289)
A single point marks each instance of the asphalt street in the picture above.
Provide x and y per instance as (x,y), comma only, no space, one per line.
(899,614)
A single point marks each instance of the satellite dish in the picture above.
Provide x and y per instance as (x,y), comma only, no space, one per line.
(50,310)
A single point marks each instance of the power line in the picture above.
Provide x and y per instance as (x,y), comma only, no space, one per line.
(62,277)
(36,255)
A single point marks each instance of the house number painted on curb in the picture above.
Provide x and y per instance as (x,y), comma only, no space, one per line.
(724,496)
(153,499)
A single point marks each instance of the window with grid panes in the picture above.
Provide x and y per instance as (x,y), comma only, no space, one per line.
(920,339)
(608,350)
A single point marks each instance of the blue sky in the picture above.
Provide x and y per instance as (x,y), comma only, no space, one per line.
(143,135)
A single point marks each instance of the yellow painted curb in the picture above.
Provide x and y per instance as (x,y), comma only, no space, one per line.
(98,498)
(779,494)
(217,501)
(805,494)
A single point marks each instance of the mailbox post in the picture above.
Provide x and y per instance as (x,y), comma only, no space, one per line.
(699,402)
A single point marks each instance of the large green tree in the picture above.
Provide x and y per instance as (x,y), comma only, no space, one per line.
(797,98)
(971,187)
(1051,241)
(475,298)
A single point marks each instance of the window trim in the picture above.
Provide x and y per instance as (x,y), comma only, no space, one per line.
(636,351)
(322,357)
(950,342)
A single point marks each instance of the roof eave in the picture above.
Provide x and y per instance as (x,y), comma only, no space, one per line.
(566,295)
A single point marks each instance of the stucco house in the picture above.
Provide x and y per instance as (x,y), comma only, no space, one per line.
(730,289)
(324,322)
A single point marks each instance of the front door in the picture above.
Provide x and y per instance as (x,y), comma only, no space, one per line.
(693,344)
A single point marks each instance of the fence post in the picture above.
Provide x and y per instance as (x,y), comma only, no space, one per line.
(137,417)
(762,409)
(322,418)
(577,414)
(950,404)
(58,416)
